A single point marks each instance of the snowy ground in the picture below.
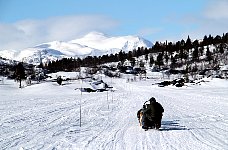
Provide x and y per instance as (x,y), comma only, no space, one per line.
(46,116)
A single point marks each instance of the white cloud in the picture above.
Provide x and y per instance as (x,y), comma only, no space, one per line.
(27,33)
(211,20)
(148,31)
(217,9)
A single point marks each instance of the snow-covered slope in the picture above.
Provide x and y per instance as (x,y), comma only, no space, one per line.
(9,54)
(112,44)
(93,44)
(46,116)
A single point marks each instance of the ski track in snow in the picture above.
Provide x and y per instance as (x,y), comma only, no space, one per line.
(46,116)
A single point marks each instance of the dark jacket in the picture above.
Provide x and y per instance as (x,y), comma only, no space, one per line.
(154,109)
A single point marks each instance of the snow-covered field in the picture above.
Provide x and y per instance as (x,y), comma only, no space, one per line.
(47,116)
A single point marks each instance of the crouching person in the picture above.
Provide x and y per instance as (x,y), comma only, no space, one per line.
(144,119)
(153,113)
(150,115)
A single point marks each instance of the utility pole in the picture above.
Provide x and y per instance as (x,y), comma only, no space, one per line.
(80,108)
(107,99)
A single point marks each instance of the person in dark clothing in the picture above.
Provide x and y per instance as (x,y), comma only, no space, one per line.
(153,114)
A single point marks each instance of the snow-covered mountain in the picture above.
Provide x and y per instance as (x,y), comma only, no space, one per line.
(92,44)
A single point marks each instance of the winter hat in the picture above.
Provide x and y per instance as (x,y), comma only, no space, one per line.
(152,99)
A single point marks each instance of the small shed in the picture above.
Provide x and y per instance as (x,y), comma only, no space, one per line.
(224,71)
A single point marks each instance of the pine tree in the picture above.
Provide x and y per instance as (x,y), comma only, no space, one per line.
(221,49)
(151,60)
(166,57)
(205,41)
(141,64)
(209,54)
(195,53)
(146,57)
(188,43)
(159,61)
(20,73)
(138,52)
(132,60)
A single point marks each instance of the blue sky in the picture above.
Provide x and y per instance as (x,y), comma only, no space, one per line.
(27,23)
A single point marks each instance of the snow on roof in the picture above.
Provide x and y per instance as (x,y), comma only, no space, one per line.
(224,68)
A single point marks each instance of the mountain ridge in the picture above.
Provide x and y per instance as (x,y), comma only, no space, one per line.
(91,44)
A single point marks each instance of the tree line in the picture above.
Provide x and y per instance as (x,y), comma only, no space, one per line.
(178,53)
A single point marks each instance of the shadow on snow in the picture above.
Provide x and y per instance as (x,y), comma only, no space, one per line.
(172,125)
